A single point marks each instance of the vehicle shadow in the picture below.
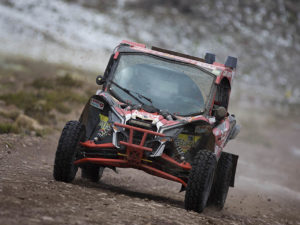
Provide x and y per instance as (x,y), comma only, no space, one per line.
(130,193)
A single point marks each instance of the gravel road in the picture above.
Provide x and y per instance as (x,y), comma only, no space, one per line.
(267,189)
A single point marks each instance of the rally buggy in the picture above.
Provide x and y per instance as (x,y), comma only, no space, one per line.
(162,112)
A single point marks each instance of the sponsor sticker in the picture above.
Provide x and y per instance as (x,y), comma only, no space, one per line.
(96,103)
(105,126)
(186,141)
(143,115)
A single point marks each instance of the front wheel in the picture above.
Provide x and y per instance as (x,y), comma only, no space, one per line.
(200,181)
(67,152)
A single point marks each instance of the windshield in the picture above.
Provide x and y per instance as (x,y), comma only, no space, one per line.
(175,87)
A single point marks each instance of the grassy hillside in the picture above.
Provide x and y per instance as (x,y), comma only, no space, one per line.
(38,97)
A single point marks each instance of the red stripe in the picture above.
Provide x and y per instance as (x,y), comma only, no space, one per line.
(136,146)
(184,165)
(91,144)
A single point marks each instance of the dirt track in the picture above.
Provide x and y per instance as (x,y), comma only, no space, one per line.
(266,192)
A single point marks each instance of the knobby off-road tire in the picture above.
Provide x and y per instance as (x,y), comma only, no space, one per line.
(222,181)
(92,172)
(200,181)
(67,151)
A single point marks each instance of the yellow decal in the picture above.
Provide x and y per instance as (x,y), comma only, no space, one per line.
(186,141)
(103,118)
(104,124)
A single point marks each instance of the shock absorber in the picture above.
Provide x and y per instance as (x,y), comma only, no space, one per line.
(105,128)
(102,133)
(178,148)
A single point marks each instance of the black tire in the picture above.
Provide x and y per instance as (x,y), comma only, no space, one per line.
(222,181)
(67,152)
(200,181)
(92,172)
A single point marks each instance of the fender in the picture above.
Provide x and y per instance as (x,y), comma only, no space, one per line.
(221,133)
(90,115)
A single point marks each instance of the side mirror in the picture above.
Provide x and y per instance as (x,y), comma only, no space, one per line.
(100,80)
(221,113)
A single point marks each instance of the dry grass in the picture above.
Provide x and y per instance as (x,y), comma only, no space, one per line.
(45,92)
(8,128)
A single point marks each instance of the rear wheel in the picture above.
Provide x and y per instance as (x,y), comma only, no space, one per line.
(222,181)
(92,172)
(67,152)
(200,181)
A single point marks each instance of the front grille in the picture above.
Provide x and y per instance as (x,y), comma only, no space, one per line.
(136,138)
(142,124)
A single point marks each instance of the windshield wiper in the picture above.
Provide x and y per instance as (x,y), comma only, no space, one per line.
(164,113)
(127,91)
(143,96)
(130,93)
(150,108)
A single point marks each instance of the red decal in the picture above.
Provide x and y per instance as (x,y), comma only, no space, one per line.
(131,43)
(116,55)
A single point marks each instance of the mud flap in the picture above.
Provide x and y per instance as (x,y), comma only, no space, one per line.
(234,165)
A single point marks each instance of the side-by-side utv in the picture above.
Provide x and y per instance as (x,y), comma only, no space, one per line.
(158,111)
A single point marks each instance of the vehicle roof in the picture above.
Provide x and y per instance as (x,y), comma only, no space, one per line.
(218,69)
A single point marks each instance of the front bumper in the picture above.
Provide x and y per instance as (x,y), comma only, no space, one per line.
(134,155)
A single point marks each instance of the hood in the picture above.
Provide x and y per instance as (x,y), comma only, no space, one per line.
(159,119)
